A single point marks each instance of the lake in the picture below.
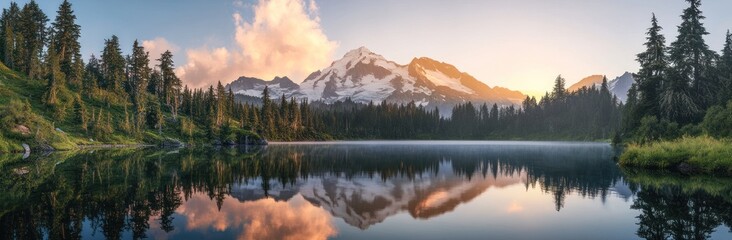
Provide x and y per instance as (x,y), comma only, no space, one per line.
(357,190)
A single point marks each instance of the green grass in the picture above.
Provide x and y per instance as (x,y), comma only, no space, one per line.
(21,105)
(703,153)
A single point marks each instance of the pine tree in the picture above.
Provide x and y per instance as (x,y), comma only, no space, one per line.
(32,27)
(81,114)
(92,76)
(650,77)
(691,87)
(631,118)
(155,116)
(155,84)
(66,39)
(220,104)
(139,74)
(54,77)
(8,35)
(113,65)
(725,69)
(267,113)
(171,84)
(559,92)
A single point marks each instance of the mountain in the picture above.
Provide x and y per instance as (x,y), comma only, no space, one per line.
(619,86)
(253,87)
(586,82)
(364,76)
(362,202)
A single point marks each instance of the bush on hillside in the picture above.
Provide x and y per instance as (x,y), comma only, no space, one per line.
(718,121)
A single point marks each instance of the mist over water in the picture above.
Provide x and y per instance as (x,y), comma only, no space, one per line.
(357,190)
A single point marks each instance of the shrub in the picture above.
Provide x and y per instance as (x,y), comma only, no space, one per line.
(718,121)
(651,129)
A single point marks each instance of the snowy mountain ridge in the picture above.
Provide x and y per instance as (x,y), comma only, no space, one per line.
(618,86)
(364,76)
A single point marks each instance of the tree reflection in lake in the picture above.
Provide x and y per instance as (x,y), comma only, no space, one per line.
(681,207)
(300,191)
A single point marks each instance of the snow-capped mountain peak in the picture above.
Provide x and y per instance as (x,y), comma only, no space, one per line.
(253,87)
(358,52)
(618,86)
(364,76)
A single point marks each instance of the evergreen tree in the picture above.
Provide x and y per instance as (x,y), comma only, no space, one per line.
(631,120)
(138,75)
(651,75)
(113,65)
(691,84)
(54,77)
(725,69)
(66,39)
(171,84)
(81,114)
(559,92)
(155,84)
(32,28)
(8,35)
(267,114)
(155,116)
(92,76)
(220,104)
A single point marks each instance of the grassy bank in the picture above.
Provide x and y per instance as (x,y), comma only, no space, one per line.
(26,119)
(703,154)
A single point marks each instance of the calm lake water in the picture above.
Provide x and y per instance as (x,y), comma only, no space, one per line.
(357,190)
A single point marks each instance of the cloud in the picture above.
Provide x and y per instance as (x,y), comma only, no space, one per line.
(260,219)
(283,38)
(157,46)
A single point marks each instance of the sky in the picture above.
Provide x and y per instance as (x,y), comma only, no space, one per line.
(520,44)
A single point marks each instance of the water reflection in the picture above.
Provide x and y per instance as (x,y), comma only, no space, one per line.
(681,207)
(307,191)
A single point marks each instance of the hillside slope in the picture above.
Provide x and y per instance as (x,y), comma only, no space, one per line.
(26,119)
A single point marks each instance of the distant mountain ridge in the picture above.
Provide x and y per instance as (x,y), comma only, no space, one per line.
(364,76)
(253,86)
(586,82)
(618,86)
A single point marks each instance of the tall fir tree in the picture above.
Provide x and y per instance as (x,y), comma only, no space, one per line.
(138,75)
(32,28)
(92,76)
(690,89)
(155,84)
(113,65)
(559,92)
(267,113)
(650,77)
(66,39)
(55,78)
(8,35)
(171,84)
(631,120)
(724,68)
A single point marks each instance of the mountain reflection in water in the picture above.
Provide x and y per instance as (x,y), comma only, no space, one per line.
(350,190)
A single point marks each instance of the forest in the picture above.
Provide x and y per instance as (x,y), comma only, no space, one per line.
(132,98)
(53,98)
(680,109)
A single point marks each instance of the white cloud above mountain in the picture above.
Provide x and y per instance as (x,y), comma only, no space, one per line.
(283,37)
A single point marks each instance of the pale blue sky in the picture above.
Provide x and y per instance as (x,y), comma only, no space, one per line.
(520,44)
